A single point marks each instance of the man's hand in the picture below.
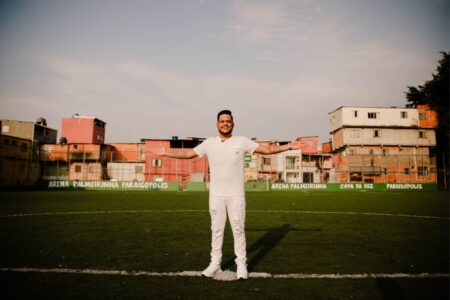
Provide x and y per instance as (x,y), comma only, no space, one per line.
(182,154)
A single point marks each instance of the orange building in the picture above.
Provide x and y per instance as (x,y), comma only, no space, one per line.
(171,169)
(79,129)
(427,117)
(74,161)
(129,152)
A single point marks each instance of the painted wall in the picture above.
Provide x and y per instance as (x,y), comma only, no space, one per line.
(170,169)
(82,130)
(385,136)
(128,152)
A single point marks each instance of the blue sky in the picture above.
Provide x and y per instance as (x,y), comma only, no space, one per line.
(155,69)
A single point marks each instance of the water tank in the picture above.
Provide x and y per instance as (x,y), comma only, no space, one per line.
(41,121)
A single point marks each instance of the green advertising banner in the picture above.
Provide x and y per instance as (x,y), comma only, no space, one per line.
(249,186)
(353,186)
(112,185)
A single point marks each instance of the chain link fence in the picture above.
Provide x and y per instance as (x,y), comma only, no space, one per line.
(108,165)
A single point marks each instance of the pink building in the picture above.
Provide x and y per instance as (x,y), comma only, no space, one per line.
(79,129)
(174,170)
(311,144)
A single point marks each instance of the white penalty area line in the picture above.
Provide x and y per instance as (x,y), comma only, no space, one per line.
(199,274)
(204,210)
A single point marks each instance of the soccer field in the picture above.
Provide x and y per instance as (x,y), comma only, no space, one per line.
(301,245)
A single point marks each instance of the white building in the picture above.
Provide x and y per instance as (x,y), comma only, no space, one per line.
(380,126)
(383,144)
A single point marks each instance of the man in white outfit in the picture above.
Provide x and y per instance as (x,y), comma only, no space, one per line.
(226,190)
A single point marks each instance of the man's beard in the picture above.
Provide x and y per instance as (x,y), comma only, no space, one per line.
(226,133)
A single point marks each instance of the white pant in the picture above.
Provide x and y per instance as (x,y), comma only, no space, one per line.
(218,208)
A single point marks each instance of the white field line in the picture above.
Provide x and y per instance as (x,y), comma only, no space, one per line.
(205,211)
(251,274)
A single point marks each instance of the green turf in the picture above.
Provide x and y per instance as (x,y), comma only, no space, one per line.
(279,241)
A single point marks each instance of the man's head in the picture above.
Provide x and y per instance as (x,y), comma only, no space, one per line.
(225,123)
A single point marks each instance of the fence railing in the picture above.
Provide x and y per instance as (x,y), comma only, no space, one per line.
(312,169)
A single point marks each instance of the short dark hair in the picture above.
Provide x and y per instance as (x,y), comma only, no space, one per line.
(225,112)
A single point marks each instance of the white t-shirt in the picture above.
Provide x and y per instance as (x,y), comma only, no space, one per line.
(226,164)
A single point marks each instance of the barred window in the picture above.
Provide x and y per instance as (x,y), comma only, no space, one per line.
(422,171)
(373,115)
(376,133)
(290,162)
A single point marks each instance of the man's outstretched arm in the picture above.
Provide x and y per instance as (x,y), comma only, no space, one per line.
(182,154)
(295,144)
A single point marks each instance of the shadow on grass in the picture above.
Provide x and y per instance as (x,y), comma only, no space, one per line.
(389,289)
(266,243)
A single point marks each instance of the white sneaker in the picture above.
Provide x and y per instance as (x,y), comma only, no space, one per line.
(241,272)
(211,270)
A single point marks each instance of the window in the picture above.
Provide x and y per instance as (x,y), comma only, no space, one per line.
(23,147)
(308,177)
(92,169)
(376,133)
(422,171)
(351,151)
(406,171)
(371,151)
(354,134)
(290,162)
(355,113)
(157,163)
(423,116)
(6,142)
(422,134)
(404,114)
(266,161)
(385,151)
(138,169)
(373,115)
(77,169)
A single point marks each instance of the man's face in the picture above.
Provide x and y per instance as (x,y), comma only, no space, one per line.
(225,125)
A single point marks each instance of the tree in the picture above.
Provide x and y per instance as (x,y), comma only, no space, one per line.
(435,92)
